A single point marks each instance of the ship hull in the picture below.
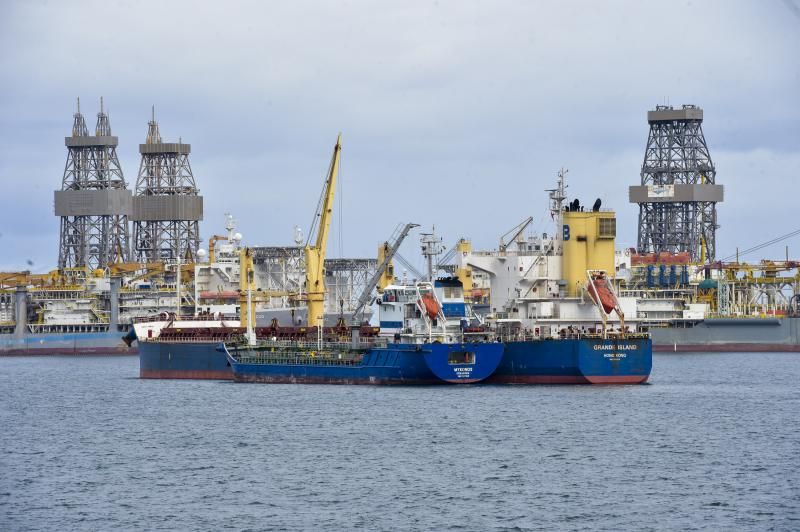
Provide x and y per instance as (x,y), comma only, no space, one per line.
(725,335)
(183,360)
(396,364)
(541,362)
(575,361)
(87,343)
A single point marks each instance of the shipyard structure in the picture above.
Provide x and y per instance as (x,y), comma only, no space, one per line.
(128,257)
(678,195)
(95,204)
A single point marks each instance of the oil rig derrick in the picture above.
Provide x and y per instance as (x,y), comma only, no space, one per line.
(94,202)
(167,206)
(678,195)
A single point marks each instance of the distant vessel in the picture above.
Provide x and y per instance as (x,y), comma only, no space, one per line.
(77,311)
(719,307)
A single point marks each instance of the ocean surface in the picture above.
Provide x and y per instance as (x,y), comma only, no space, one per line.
(712,443)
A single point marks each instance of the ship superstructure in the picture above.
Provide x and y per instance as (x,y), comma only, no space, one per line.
(535,286)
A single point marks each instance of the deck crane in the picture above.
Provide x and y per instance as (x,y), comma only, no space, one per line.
(315,254)
(249,295)
(514,232)
(388,251)
(415,273)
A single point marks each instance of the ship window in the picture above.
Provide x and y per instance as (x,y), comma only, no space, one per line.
(606,227)
(456,358)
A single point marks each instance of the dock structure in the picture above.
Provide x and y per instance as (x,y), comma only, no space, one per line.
(167,206)
(678,195)
(94,202)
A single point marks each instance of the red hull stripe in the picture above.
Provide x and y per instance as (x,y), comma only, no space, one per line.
(569,379)
(67,351)
(323,380)
(181,374)
(617,379)
(727,348)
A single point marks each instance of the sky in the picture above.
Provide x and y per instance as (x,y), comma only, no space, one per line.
(454,114)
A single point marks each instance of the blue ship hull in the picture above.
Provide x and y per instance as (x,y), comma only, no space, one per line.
(394,364)
(576,361)
(182,360)
(563,361)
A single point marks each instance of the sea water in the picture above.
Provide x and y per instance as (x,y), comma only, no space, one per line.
(711,443)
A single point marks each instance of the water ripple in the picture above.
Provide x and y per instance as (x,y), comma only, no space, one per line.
(709,445)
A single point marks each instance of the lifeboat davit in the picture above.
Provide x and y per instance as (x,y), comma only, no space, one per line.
(431,305)
(598,290)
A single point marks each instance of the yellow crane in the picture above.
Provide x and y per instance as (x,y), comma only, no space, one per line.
(315,255)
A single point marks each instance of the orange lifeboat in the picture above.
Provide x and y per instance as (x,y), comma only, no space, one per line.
(431,305)
(598,290)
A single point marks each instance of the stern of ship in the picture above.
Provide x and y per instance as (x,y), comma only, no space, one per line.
(627,360)
(463,363)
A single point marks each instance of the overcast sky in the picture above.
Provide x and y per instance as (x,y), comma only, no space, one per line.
(457,114)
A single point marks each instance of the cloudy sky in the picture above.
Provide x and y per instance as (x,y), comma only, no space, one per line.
(457,114)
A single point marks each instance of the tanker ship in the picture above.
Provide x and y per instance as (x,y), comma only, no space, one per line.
(423,340)
(173,347)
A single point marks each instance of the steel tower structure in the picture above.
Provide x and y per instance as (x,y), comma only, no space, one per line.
(677,196)
(167,206)
(93,202)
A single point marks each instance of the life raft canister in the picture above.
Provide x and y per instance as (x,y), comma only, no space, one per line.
(431,305)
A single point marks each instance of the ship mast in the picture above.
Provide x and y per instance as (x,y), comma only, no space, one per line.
(315,254)
(557,197)
(431,247)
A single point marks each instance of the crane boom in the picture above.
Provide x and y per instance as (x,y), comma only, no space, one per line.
(315,255)
(516,230)
(391,249)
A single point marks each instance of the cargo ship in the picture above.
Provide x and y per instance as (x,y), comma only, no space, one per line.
(425,342)
(540,295)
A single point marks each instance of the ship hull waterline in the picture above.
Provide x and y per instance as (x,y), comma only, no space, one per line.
(576,361)
(395,364)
